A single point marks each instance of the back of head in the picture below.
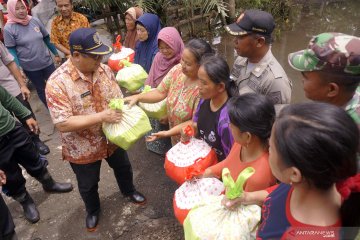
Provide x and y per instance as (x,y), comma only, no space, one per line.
(252,113)
(199,47)
(320,140)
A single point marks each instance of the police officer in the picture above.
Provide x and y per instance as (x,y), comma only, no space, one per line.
(256,69)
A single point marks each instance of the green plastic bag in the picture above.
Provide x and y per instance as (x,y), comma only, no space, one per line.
(133,125)
(154,110)
(211,220)
(132,76)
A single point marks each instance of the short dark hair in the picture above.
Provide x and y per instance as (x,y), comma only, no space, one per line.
(348,82)
(252,113)
(268,38)
(217,69)
(199,47)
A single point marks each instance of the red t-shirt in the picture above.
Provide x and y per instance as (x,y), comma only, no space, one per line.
(261,179)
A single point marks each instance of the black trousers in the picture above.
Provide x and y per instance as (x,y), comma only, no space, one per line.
(7,227)
(17,147)
(88,177)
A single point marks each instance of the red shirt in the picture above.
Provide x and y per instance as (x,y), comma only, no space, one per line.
(261,179)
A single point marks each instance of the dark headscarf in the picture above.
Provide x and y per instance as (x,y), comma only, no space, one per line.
(146,50)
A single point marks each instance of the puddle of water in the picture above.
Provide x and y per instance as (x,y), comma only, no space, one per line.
(308,20)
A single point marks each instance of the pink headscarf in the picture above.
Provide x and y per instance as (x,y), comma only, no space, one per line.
(161,65)
(11,4)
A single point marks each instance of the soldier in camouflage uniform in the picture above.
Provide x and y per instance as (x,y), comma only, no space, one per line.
(256,69)
(331,70)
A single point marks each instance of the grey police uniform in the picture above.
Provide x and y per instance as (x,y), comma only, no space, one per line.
(266,78)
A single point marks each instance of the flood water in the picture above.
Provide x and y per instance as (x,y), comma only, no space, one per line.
(306,21)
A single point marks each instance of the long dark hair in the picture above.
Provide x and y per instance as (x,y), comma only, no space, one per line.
(217,69)
(199,47)
(321,140)
(252,113)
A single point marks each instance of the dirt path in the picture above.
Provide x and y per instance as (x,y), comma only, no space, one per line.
(63,216)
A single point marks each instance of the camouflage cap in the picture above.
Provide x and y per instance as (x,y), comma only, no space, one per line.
(331,52)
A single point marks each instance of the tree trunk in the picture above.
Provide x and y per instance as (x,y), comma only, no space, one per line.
(231,4)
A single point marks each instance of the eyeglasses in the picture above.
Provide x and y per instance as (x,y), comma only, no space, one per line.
(92,56)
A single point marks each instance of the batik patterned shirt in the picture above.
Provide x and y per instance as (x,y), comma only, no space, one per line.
(69,93)
(61,28)
(182,100)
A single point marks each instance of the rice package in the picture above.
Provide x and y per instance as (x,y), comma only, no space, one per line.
(154,110)
(115,61)
(185,158)
(133,125)
(192,193)
(211,220)
(132,76)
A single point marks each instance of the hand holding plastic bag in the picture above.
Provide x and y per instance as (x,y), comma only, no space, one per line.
(211,220)
(133,125)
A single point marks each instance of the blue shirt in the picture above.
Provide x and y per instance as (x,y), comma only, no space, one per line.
(29,42)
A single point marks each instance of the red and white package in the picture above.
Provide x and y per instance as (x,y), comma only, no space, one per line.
(191,193)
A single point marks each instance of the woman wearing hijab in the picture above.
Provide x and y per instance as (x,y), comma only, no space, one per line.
(131,15)
(28,41)
(147,26)
(170,47)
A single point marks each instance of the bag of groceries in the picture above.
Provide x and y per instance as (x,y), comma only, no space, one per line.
(211,220)
(121,53)
(192,193)
(188,157)
(153,110)
(132,76)
(133,125)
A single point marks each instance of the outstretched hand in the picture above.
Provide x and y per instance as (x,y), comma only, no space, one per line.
(156,136)
(131,100)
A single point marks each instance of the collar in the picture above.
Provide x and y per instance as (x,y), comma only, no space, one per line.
(71,17)
(260,66)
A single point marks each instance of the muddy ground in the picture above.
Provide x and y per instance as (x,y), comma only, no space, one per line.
(63,215)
